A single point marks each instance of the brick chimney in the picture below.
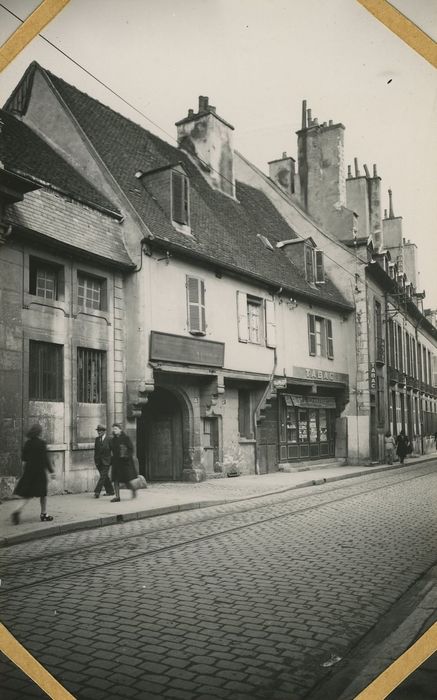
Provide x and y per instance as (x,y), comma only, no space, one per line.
(209,138)
(282,172)
(363,196)
(321,170)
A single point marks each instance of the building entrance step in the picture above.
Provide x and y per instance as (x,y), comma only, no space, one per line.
(308,465)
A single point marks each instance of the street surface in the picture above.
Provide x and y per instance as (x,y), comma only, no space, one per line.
(243,600)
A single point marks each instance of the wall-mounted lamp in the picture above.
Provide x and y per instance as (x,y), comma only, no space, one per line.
(166,258)
(292,303)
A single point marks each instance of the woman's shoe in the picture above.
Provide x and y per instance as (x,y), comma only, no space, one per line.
(115,500)
(15,517)
(45,518)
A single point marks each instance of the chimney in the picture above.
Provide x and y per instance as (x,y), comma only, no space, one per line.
(374,191)
(357,200)
(321,169)
(209,138)
(282,172)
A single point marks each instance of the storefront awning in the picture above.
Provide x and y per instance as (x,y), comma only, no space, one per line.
(309,401)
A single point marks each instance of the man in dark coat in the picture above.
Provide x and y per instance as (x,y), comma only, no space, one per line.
(123,468)
(102,460)
(402,446)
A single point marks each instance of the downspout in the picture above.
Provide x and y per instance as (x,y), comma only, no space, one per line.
(416,333)
(257,408)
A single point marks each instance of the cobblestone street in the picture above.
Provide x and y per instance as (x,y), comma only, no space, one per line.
(243,600)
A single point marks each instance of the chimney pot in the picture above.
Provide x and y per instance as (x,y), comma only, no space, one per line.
(349,171)
(385,213)
(190,112)
(324,124)
(284,154)
(309,117)
(375,173)
(357,170)
(330,122)
(316,121)
(366,170)
(390,202)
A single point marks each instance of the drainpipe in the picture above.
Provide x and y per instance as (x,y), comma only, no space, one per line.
(257,409)
(416,333)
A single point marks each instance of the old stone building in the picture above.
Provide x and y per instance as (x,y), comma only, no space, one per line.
(375,268)
(62,331)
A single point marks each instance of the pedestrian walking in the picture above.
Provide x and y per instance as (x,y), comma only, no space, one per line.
(102,460)
(33,483)
(123,469)
(402,446)
(390,445)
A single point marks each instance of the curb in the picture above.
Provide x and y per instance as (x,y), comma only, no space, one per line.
(91,523)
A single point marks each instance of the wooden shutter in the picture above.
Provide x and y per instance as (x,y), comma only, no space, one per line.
(177,197)
(196,305)
(311,334)
(309,264)
(320,273)
(329,340)
(270,323)
(243,330)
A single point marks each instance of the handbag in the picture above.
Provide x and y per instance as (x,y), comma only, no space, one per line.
(139,482)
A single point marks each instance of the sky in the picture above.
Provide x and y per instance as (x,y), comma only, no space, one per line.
(257,60)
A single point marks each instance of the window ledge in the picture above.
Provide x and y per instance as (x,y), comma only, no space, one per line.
(82,310)
(184,229)
(61,447)
(33,300)
(246,441)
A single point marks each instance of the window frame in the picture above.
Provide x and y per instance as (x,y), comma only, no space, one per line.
(326,336)
(85,384)
(38,264)
(253,301)
(40,367)
(103,291)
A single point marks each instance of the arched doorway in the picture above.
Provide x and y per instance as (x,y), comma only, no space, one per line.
(160,437)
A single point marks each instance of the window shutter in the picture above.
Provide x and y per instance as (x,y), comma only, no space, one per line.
(196,305)
(320,273)
(309,264)
(311,334)
(270,323)
(329,340)
(177,197)
(243,331)
(180,198)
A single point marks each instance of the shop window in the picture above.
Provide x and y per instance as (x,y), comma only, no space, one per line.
(320,339)
(196,305)
(91,292)
(91,371)
(46,371)
(45,279)
(180,198)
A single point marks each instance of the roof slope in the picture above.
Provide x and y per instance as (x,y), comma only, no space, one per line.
(224,231)
(24,152)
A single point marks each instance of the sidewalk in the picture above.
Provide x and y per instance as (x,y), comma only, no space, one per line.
(82,511)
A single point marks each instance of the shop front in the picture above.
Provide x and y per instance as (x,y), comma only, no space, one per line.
(309,413)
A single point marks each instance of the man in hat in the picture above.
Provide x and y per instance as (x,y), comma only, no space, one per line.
(102,460)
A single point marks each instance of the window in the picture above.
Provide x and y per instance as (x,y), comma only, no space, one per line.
(180,206)
(314,268)
(320,338)
(91,292)
(244,414)
(91,372)
(45,279)
(46,371)
(196,305)
(256,320)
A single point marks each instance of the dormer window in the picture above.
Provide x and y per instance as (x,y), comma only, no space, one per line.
(314,268)
(180,199)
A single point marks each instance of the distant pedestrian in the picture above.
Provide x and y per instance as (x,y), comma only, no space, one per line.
(123,469)
(402,446)
(102,460)
(33,483)
(390,445)
(435,438)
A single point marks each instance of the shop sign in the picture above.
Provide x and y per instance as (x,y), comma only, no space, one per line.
(166,347)
(280,383)
(320,375)
(372,376)
(309,401)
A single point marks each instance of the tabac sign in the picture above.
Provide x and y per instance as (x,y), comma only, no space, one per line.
(320,375)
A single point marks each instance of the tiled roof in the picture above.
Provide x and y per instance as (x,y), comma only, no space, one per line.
(224,230)
(23,151)
(71,224)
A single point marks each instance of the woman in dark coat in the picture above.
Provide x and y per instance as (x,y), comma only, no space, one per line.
(402,446)
(122,464)
(33,483)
